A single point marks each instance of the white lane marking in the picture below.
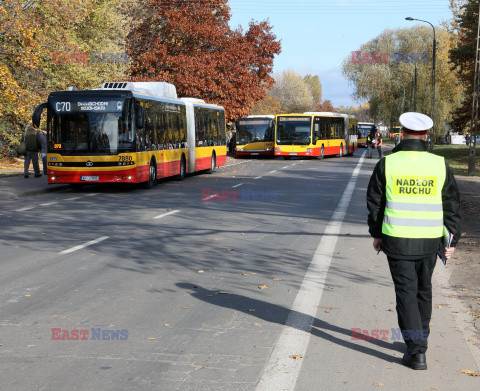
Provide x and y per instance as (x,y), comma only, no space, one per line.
(49,203)
(166,214)
(271,172)
(209,197)
(234,164)
(281,371)
(26,208)
(240,184)
(72,199)
(79,247)
(284,167)
(91,194)
(258,177)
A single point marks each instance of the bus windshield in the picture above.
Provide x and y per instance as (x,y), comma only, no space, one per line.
(365,129)
(91,132)
(249,131)
(294,130)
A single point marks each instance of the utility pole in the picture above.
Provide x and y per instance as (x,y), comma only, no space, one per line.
(474,119)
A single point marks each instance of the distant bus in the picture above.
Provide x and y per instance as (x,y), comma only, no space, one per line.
(130,133)
(254,135)
(364,129)
(315,134)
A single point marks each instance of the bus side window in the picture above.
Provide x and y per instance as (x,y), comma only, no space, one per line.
(316,132)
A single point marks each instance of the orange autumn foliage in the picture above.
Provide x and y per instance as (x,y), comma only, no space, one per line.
(190,44)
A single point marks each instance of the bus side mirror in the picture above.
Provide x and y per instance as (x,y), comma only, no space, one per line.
(37,114)
(139,115)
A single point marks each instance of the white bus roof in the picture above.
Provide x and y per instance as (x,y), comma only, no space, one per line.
(260,116)
(157,89)
(329,113)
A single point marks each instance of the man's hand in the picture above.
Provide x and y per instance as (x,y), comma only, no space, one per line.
(377,244)
(449,252)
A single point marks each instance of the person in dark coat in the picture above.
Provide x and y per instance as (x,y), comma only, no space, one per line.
(413,201)
(42,136)
(33,146)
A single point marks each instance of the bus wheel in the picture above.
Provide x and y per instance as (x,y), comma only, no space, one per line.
(152,175)
(213,164)
(322,153)
(340,154)
(181,176)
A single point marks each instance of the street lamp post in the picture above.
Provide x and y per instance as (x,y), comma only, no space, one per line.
(433,77)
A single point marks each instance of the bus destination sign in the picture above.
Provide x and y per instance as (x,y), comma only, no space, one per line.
(88,105)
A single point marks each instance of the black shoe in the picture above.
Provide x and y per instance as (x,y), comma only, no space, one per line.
(25,176)
(407,359)
(419,362)
(38,175)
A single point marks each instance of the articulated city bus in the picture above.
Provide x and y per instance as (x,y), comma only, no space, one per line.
(364,128)
(254,135)
(130,132)
(315,134)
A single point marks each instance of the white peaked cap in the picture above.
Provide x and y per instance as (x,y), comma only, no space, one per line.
(416,122)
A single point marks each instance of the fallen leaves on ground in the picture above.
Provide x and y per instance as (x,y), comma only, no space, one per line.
(262,287)
(441,305)
(277,279)
(378,384)
(255,324)
(469,372)
(296,356)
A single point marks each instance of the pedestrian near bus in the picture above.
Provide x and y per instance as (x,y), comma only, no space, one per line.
(412,197)
(42,136)
(379,144)
(32,146)
(370,138)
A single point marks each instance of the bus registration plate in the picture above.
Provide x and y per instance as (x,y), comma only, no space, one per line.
(89,178)
(293,154)
(254,153)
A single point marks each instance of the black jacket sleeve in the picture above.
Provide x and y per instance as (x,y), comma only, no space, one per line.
(451,205)
(376,199)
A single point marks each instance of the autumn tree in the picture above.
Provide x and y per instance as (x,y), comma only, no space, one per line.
(51,44)
(190,44)
(386,83)
(292,92)
(462,56)
(315,87)
(326,105)
(268,105)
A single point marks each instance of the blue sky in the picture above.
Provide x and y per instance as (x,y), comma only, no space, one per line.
(317,35)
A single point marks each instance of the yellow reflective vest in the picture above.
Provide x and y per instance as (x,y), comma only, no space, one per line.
(414,182)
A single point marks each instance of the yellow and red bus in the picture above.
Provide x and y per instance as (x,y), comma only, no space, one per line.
(254,135)
(315,134)
(130,132)
(364,129)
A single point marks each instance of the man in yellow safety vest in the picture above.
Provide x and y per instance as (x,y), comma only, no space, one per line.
(413,201)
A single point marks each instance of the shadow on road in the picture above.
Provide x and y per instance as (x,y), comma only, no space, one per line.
(274,313)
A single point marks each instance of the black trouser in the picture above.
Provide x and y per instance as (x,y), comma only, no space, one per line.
(379,151)
(413,290)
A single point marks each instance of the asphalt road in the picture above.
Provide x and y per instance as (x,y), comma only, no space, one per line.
(180,293)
